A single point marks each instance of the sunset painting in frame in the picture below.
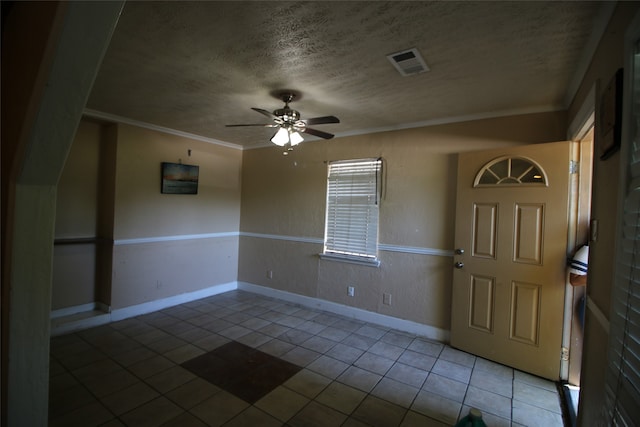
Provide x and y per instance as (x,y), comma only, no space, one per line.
(179,178)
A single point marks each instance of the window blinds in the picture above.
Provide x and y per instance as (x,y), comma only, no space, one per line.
(351,229)
(622,388)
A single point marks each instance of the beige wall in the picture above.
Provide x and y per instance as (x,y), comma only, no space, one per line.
(74,279)
(606,186)
(283,202)
(149,245)
(148,264)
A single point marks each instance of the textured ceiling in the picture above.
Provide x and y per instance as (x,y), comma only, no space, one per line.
(196,66)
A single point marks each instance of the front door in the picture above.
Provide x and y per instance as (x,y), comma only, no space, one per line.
(510,262)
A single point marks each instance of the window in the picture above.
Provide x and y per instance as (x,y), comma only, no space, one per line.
(510,171)
(622,387)
(353,197)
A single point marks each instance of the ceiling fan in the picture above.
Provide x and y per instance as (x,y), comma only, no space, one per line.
(289,123)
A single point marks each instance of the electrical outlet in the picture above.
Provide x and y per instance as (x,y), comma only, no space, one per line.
(386,299)
(351,291)
(269,274)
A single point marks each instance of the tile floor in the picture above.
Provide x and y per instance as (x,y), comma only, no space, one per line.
(340,372)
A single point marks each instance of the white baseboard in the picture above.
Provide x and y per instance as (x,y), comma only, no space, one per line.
(103,316)
(79,322)
(148,307)
(83,308)
(408,326)
(87,316)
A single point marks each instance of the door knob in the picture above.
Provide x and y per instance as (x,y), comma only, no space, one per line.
(459,264)
(459,251)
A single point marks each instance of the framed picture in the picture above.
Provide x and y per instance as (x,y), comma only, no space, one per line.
(179,179)
(610,117)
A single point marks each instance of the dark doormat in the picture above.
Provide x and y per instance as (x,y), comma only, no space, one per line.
(242,371)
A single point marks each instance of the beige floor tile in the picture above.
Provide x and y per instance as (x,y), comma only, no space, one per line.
(386,350)
(427,347)
(489,419)
(371,331)
(488,402)
(153,413)
(111,383)
(452,370)
(359,378)
(300,356)
(184,353)
(318,344)
(59,383)
(533,416)
(185,420)
(282,403)
(254,339)
(276,347)
(192,393)
(537,396)
(414,419)
(253,416)
(457,356)
(345,353)
(93,414)
(68,400)
(493,368)
(360,342)
(317,415)
(407,374)
(129,398)
(436,407)
(374,363)
(134,356)
(328,366)
(352,422)
(397,338)
(417,360)
(498,384)
(169,379)
(150,367)
(219,408)
(379,413)
(211,342)
(307,383)
(395,392)
(523,377)
(341,397)
(446,387)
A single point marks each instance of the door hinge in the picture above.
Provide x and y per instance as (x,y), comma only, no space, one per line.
(564,354)
(573,167)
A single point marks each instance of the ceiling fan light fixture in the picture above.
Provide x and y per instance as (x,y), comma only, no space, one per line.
(281,137)
(295,138)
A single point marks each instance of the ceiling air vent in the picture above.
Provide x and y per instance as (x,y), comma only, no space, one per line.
(408,62)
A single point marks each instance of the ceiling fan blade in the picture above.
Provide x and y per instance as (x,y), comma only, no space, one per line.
(321,120)
(265,112)
(270,125)
(318,133)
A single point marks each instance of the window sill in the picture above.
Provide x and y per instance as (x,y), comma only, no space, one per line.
(351,260)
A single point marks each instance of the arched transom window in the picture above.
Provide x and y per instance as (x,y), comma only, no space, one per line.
(511,171)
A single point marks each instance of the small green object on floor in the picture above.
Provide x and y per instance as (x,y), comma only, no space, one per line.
(472,419)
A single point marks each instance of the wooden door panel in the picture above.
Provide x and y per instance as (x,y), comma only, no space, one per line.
(528,233)
(482,303)
(525,313)
(485,226)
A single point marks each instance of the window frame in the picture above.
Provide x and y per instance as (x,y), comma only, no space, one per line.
(352,211)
